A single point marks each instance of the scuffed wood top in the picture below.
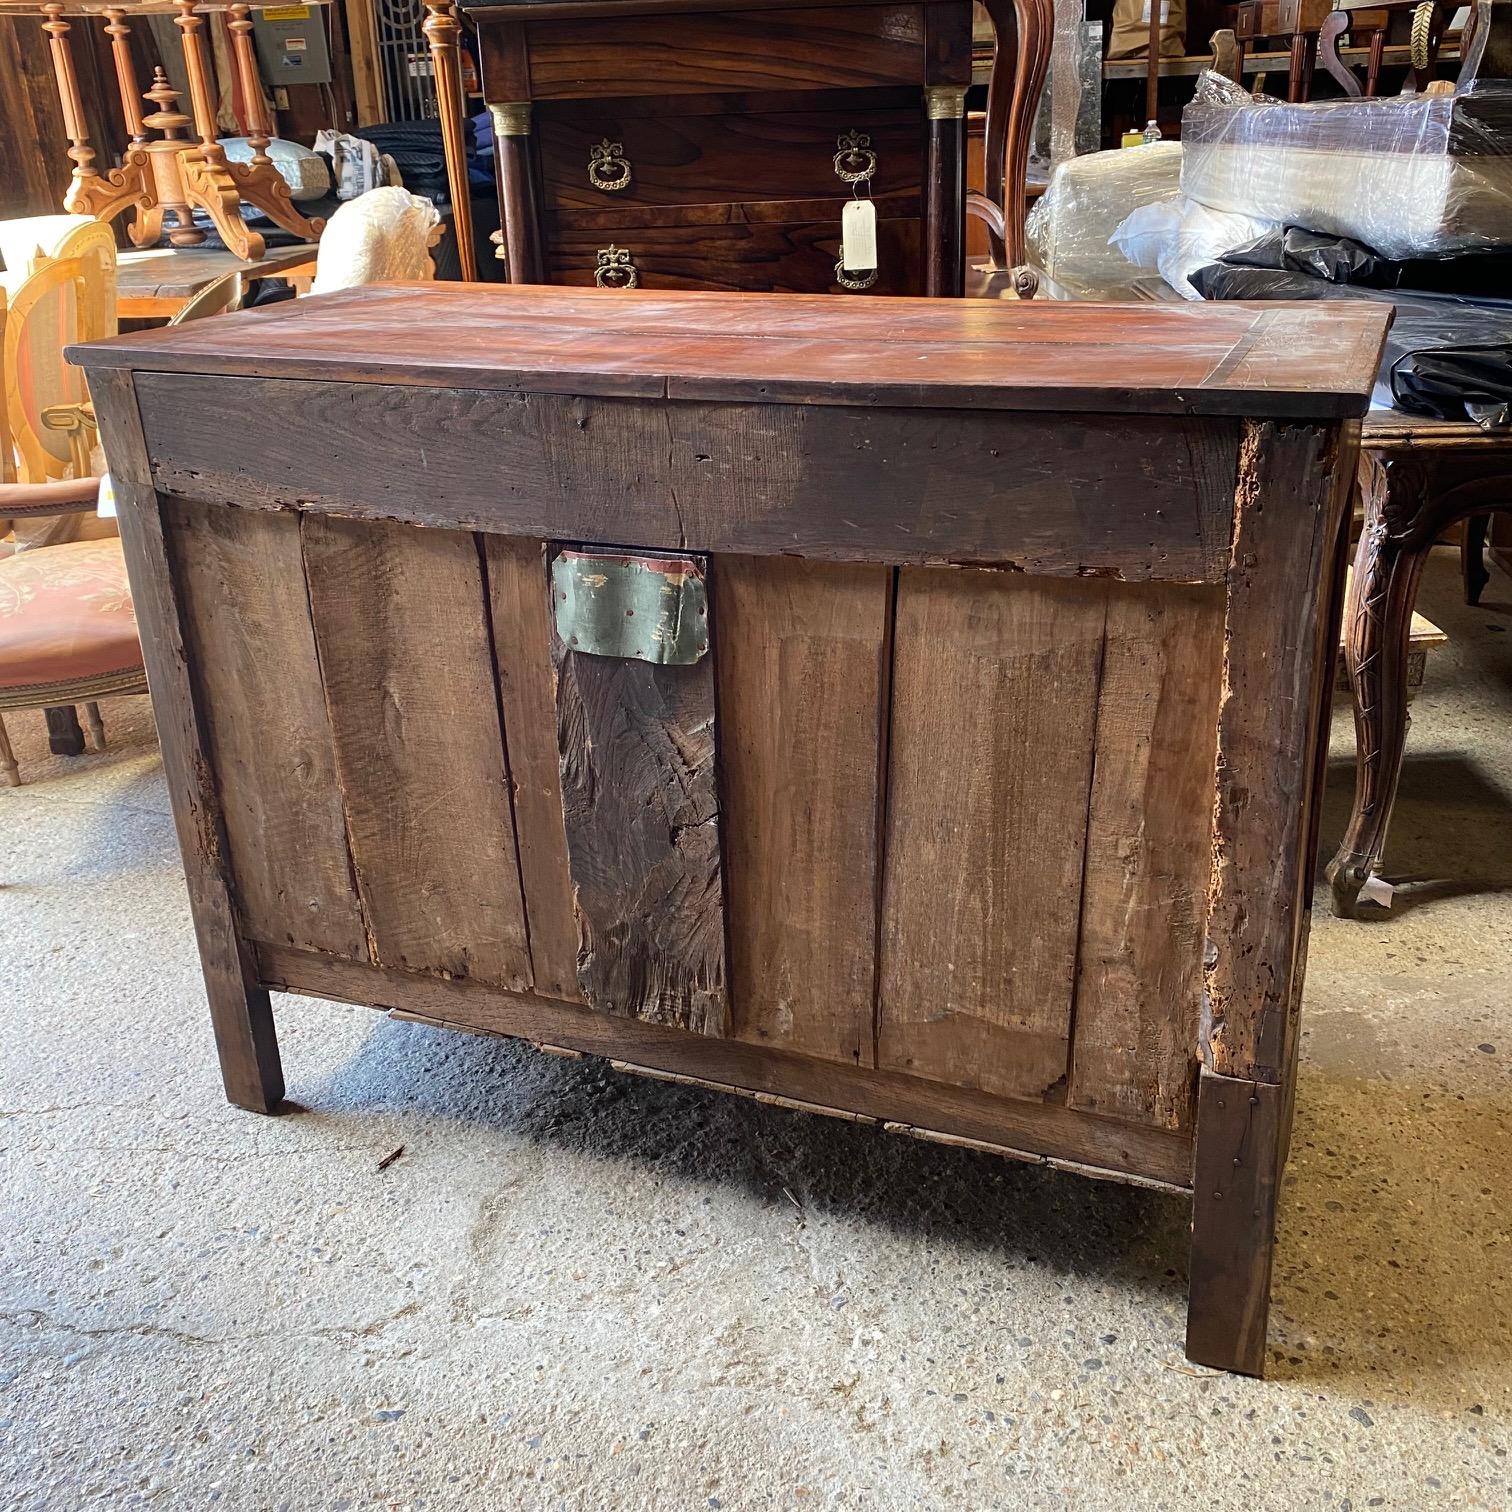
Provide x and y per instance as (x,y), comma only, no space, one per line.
(1309,360)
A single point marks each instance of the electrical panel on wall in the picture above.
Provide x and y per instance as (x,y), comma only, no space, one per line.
(291,45)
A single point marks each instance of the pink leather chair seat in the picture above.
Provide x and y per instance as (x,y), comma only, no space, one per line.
(66,614)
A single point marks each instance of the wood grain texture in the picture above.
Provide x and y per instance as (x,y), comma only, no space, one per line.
(1105,1147)
(1149,853)
(240,1013)
(1235,1184)
(808,348)
(401,625)
(759,258)
(1291,495)
(247,630)
(641,811)
(802,664)
(703,159)
(844,47)
(994,705)
(1089,496)
(520,613)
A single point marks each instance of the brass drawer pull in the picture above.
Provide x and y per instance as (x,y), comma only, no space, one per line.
(854,280)
(615,270)
(608,167)
(855,162)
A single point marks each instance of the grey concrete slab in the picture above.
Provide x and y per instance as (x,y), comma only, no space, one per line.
(576,1290)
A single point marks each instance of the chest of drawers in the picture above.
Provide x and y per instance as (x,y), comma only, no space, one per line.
(688,144)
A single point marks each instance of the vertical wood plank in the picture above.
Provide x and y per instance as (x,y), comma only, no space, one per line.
(1149,853)
(994,705)
(520,611)
(250,642)
(802,651)
(1292,490)
(240,1012)
(401,626)
(641,810)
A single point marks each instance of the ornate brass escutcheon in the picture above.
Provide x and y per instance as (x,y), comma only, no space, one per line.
(855,280)
(855,162)
(608,167)
(615,270)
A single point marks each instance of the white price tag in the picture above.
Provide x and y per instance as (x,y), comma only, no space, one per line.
(858,237)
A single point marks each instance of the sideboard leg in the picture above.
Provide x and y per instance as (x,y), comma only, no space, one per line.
(1236,1180)
(1473,557)
(239,1008)
(1377,624)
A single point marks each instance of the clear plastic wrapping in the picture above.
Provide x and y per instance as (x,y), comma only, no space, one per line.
(1409,175)
(1087,198)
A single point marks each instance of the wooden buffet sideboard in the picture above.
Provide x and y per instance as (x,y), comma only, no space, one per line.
(883,708)
(712,144)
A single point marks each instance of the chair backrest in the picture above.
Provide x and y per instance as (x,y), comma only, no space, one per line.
(45,316)
(27,243)
(229,292)
(380,236)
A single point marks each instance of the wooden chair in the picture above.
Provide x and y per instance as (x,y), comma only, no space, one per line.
(1020,63)
(67,630)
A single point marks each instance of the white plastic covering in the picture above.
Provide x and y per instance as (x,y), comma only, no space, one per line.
(1087,198)
(1175,237)
(1409,175)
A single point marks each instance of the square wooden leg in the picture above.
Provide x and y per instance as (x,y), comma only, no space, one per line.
(1236,1182)
(246,1042)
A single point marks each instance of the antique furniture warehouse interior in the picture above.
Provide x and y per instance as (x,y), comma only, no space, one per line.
(756,753)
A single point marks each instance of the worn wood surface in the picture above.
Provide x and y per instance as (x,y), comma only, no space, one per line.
(641,809)
(1291,498)
(247,629)
(846,47)
(1104,1145)
(994,704)
(813,349)
(1235,1183)
(1090,496)
(239,1008)
(803,655)
(1148,856)
(401,626)
(521,623)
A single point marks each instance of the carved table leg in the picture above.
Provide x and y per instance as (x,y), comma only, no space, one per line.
(1473,557)
(1377,622)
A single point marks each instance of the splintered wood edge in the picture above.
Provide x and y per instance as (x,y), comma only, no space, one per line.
(822,1110)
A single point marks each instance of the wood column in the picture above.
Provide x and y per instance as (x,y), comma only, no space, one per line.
(201,104)
(944,226)
(444,33)
(126,80)
(259,128)
(79,150)
(517,193)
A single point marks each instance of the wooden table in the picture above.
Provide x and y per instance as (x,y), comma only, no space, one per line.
(812,699)
(1418,477)
(156,285)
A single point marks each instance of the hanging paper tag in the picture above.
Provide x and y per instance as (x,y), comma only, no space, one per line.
(858,236)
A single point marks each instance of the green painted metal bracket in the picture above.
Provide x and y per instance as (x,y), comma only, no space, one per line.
(648,606)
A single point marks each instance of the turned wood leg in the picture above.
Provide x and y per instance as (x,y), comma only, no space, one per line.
(10,773)
(64,737)
(1473,557)
(1377,623)
(518,203)
(443,31)
(94,727)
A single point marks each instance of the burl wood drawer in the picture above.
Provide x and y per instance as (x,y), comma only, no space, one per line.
(761,258)
(849,47)
(599,158)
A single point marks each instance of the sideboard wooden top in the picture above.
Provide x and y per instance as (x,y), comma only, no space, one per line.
(1308,360)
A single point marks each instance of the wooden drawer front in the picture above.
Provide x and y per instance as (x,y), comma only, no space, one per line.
(696,160)
(797,259)
(850,47)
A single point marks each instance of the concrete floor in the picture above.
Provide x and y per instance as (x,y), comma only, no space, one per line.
(577,1290)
